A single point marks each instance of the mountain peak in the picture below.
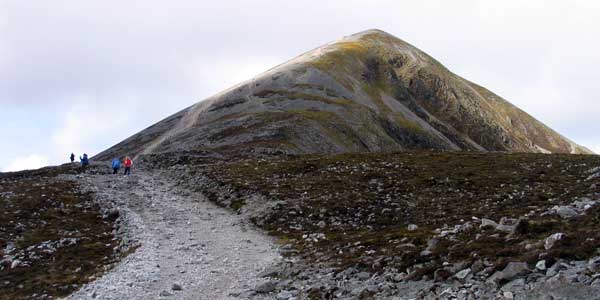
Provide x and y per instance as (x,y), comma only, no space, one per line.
(373,31)
(367,92)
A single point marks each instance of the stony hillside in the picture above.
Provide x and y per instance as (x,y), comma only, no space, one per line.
(415,225)
(368,92)
(54,235)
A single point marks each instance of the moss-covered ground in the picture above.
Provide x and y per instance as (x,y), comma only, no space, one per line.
(56,232)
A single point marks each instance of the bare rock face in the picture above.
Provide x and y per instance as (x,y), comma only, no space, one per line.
(367,92)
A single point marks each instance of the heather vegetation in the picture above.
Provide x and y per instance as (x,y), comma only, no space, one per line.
(53,237)
(418,215)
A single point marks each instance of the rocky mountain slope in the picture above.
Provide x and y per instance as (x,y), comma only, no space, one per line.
(368,92)
(415,225)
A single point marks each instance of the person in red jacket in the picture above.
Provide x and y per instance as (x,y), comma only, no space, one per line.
(127,163)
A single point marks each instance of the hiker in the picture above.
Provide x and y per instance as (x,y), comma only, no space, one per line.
(127,162)
(116,165)
(84,160)
(72,157)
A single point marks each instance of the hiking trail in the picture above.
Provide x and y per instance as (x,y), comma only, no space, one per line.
(185,241)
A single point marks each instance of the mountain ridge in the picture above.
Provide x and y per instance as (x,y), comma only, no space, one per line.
(366,92)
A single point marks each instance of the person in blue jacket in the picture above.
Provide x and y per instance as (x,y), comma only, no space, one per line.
(116,165)
(84,160)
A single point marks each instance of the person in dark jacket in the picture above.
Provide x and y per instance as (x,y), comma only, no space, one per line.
(127,163)
(116,165)
(72,157)
(84,160)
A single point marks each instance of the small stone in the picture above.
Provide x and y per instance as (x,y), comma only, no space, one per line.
(363,276)
(477,266)
(447,293)
(412,227)
(551,240)
(488,222)
(441,275)
(373,289)
(269,272)
(512,270)
(565,212)
(514,285)
(358,291)
(266,287)
(462,275)
(584,279)
(176,287)
(321,224)
(285,295)
(15,263)
(555,269)
(541,265)
(593,265)
(508,295)
(496,226)
(165,294)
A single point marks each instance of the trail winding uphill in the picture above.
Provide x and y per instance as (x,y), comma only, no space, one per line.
(189,248)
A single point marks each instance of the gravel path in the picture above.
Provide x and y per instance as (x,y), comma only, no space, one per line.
(185,240)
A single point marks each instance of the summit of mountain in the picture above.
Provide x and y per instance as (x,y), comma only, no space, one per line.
(368,92)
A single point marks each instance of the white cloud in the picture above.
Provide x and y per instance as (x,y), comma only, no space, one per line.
(32,161)
(221,75)
(86,125)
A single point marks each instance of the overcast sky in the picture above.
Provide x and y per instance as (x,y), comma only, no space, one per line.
(80,76)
